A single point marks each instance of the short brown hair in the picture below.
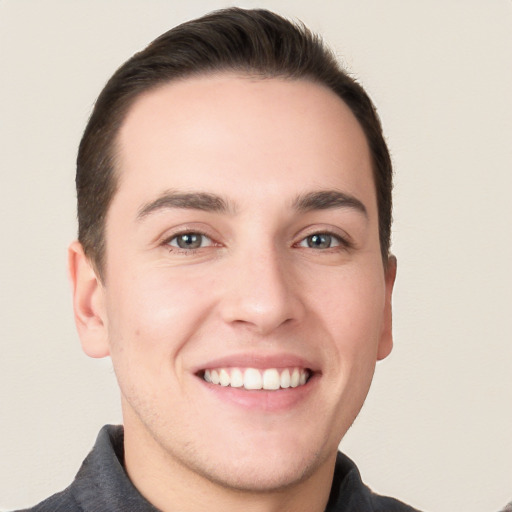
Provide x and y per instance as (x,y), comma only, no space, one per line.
(255,42)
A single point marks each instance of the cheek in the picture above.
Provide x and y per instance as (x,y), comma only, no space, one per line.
(151,318)
(352,302)
(351,308)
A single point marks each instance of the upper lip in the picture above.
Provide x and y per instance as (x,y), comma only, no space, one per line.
(258,361)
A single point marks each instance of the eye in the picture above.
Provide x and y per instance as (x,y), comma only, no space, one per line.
(189,241)
(320,241)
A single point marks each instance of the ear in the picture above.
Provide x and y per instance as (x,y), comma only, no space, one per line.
(88,302)
(386,339)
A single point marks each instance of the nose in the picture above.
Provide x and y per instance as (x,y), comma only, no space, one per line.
(263,293)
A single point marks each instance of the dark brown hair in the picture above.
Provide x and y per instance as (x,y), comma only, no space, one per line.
(255,42)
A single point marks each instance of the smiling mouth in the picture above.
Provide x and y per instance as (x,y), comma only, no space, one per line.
(269,379)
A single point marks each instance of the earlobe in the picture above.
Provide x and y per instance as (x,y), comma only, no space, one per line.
(386,340)
(88,303)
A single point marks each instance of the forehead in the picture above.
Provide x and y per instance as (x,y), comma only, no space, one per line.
(233,134)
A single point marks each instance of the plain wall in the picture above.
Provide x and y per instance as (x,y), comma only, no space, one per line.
(436,428)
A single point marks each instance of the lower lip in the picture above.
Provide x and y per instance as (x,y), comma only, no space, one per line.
(261,399)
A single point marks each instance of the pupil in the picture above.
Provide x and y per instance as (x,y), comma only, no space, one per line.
(320,241)
(189,241)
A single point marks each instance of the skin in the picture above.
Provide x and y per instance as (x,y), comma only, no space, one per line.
(255,291)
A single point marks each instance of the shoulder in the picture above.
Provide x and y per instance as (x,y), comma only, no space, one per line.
(350,494)
(99,468)
(386,504)
(60,502)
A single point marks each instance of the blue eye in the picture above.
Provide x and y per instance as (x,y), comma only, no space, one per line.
(190,241)
(320,241)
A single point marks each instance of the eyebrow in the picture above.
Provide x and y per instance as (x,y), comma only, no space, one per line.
(327,199)
(317,200)
(186,200)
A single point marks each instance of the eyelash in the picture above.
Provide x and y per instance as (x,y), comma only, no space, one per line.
(341,243)
(175,248)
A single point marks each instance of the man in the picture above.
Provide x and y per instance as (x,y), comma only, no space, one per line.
(234,205)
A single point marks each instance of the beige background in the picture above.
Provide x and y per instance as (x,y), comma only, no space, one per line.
(436,429)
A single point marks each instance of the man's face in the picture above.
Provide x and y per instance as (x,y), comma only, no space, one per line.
(242,243)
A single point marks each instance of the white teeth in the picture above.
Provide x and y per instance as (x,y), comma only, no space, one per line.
(295,378)
(224,378)
(285,379)
(271,379)
(253,379)
(237,378)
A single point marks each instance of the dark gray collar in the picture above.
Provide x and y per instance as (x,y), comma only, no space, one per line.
(102,483)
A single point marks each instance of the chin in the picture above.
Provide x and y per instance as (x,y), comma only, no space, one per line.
(262,471)
(261,478)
